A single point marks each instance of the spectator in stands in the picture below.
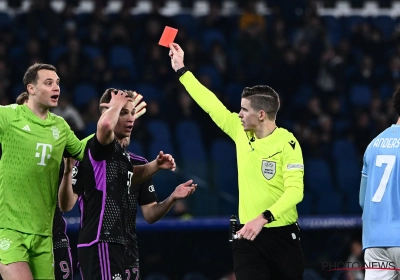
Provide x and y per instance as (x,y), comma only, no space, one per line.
(362,131)
(356,257)
(365,73)
(250,21)
(77,62)
(66,110)
(214,19)
(41,20)
(330,69)
(269,237)
(100,73)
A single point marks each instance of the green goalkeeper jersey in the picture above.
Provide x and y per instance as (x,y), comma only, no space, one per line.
(270,169)
(32,151)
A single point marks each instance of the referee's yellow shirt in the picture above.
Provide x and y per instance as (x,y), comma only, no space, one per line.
(270,170)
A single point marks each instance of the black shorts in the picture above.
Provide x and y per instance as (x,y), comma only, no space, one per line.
(63,268)
(132,267)
(102,261)
(274,254)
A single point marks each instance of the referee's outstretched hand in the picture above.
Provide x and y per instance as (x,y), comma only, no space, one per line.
(184,190)
(165,161)
(176,54)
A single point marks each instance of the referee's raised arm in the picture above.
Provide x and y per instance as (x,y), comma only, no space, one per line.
(206,99)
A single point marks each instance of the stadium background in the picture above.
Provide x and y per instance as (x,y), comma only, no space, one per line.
(335,65)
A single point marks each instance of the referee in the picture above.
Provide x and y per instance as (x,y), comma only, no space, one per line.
(271,170)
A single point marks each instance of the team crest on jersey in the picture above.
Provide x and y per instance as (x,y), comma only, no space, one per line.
(117,277)
(5,244)
(56,132)
(74,173)
(268,169)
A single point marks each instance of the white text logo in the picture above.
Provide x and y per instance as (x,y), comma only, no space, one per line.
(43,154)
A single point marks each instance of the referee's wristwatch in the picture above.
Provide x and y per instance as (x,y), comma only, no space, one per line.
(268,216)
(182,71)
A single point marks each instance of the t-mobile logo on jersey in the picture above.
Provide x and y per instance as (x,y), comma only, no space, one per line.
(43,154)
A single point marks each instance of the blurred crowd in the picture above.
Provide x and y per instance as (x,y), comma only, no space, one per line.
(335,75)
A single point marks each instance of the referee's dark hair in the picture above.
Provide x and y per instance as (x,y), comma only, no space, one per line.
(396,101)
(263,98)
(106,97)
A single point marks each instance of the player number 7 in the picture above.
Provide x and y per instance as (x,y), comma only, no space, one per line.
(389,161)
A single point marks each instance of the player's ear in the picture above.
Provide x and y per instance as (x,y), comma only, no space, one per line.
(262,115)
(29,89)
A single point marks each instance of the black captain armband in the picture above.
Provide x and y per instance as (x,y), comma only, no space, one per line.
(182,71)
(268,216)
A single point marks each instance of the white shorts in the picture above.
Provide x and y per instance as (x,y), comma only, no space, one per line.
(382,258)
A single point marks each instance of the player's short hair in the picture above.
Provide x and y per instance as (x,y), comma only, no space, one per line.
(396,101)
(31,75)
(106,97)
(263,98)
(22,98)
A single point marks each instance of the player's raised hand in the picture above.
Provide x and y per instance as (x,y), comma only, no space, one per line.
(139,105)
(184,190)
(176,53)
(165,161)
(117,99)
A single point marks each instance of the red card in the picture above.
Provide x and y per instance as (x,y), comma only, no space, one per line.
(168,36)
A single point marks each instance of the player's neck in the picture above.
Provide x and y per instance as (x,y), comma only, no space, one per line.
(38,110)
(265,129)
(124,142)
(398,121)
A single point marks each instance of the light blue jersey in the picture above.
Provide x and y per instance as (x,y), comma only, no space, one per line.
(380,196)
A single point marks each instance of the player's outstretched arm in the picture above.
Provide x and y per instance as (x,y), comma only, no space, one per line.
(66,195)
(144,172)
(154,211)
(109,118)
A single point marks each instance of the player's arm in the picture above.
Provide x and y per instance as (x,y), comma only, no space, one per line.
(229,122)
(363,188)
(154,211)
(109,118)
(142,173)
(66,196)
(7,113)
(293,179)
(363,183)
(74,147)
